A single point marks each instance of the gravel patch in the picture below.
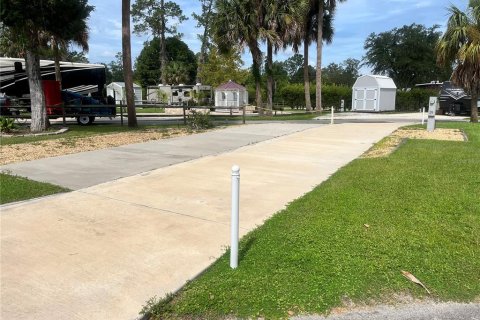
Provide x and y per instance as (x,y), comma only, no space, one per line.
(392,142)
(62,146)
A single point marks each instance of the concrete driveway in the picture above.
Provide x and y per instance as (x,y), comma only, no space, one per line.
(100,252)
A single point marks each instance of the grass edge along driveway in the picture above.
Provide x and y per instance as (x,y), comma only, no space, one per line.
(416,210)
(14,188)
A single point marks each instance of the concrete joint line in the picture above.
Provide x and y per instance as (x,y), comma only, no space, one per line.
(159,209)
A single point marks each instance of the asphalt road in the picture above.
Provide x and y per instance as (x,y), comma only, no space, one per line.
(413,311)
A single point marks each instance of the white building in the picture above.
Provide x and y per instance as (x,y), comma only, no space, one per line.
(374,93)
(179,94)
(231,94)
(117,90)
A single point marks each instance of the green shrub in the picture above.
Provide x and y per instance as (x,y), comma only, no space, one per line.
(333,94)
(294,95)
(7,124)
(199,121)
(414,99)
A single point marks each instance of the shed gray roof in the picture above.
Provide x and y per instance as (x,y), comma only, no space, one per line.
(375,80)
(230,85)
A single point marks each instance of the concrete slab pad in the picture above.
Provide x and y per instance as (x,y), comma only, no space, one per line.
(101,252)
(81,170)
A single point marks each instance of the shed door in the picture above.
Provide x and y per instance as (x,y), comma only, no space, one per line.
(370,99)
(365,98)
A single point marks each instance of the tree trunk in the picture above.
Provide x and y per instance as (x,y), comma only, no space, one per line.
(56,57)
(37,98)
(127,64)
(474,108)
(163,49)
(201,61)
(269,78)
(306,76)
(257,61)
(318,97)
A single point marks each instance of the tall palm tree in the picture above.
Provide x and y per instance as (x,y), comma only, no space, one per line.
(325,8)
(240,22)
(75,32)
(60,47)
(127,64)
(308,34)
(282,20)
(460,44)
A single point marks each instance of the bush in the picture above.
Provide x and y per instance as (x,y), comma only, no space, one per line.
(7,124)
(333,94)
(294,96)
(414,99)
(199,121)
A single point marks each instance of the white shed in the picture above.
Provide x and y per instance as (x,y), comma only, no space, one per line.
(374,93)
(119,89)
(231,94)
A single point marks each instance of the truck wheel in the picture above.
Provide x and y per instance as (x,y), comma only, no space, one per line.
(85,120)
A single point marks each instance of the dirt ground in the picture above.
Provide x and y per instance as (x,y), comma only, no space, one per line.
(389,144)
(62,146)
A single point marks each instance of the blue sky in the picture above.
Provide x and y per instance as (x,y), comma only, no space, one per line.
(355,20)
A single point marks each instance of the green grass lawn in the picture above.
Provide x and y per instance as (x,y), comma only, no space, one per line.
(422,205)
(14,188)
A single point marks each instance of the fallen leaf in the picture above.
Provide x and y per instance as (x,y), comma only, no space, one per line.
(291,313)
(366,225)
(412,278)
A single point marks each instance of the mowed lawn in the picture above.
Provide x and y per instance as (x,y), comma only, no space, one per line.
(416,210)
(15,188)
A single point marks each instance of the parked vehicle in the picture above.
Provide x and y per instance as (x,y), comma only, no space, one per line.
(83,108)
(5,103)
(6,106)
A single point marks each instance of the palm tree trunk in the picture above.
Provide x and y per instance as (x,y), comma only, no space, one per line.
(56,57)
(37,99)
(269,78)
(474,107)
(306,76)
(318,97)
(163,49)
(127,63)
(256,63)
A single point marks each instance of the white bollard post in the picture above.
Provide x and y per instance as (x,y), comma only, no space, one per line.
(235,209)
(333,110)
(423,115)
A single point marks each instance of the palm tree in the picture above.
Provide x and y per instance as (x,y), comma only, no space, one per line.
(460,44)
(60,47)
(127,63)
(282,23)
(58,18)
(240,22)
(308,34)
(325,8)
(176,73)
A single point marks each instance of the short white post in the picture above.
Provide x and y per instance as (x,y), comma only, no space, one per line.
(423,115)
(235,209)
(331,119)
